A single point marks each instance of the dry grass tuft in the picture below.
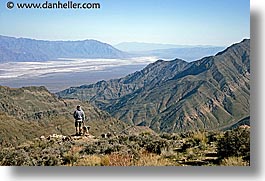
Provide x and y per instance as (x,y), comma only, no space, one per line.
(150,159)
(234,161)
(117,159)
(90,160)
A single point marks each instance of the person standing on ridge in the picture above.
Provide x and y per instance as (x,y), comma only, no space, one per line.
(79,116)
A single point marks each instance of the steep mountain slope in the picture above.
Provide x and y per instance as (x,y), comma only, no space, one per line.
(29,112)
(211,93)
(104,93)
(23,49)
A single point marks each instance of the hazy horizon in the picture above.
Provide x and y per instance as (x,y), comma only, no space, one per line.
(140,42)
(191,22)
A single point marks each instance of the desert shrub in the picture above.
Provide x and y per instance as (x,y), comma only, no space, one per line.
(189,143)
(113,140)
(186,134)
(130,145)
(157,146)
(146,133)
(108,149)
(11,157)
(70,158)
(102,148)
(170,136)
(175,136)
(212,136)
(139,140)
(234,161)
(199,137)
(49,160)
(36,153)
(166,136)
(90,149)
(134,138)
(235,143)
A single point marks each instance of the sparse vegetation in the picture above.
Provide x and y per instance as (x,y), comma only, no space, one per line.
(234,161)
(235,143)
(229,148)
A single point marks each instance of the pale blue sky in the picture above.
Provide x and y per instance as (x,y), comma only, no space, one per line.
(188,22)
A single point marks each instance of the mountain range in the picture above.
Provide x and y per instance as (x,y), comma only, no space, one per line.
(174,96)
(24,49)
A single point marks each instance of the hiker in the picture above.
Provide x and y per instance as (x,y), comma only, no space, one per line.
(79,116)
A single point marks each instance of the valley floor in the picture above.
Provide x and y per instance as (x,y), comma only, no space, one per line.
(58,77)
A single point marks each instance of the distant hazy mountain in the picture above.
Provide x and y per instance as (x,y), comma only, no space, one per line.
(170,51)
(187,54)
(23,49)
(173,96)
(138,46)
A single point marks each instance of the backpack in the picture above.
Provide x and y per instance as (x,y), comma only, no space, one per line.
(78,115)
